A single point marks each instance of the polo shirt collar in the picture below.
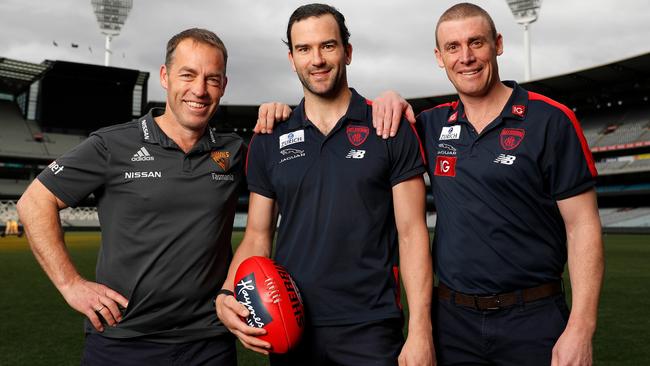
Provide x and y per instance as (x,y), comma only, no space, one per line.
(515,108)
(150,132)
(357,111)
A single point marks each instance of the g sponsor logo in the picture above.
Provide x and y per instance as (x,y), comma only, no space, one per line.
(445,166)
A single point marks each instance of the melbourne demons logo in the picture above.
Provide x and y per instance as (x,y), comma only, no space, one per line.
(357,134)
(510,138)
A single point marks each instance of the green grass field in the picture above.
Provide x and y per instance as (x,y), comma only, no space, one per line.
(38,328)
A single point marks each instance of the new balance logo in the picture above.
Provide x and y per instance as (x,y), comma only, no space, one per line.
(505,159)
(356,154)
(142,155)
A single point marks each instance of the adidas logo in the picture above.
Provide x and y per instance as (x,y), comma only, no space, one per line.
(142,155)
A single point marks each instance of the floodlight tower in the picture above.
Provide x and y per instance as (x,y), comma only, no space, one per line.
(525,12)
(111,15)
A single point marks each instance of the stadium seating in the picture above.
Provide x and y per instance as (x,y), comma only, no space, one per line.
(17,136)
(13,188)
(625,217)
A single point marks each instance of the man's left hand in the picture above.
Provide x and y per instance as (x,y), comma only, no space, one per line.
(572,348)
(418,350)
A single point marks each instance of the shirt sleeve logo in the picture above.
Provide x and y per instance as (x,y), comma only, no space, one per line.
(222,158)
(450,133)
(445,166)
(55,167)
(292,138)
(510,138)
(357,135)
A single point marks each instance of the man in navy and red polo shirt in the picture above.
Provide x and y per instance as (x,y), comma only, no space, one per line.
(513,182)
(352,209)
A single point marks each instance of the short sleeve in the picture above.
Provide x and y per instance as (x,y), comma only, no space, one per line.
(257,174)
(569,167)
(406,154)
(79,172)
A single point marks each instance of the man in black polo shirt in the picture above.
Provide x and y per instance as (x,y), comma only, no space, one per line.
(165,186)
(352,209)
(512,178)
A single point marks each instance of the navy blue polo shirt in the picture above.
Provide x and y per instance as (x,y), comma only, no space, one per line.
(166,218)
(337,234)
(499,227)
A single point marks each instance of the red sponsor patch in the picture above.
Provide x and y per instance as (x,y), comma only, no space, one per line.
(453,117)
(519,110)
(357,135)
(445,166)
(510,138)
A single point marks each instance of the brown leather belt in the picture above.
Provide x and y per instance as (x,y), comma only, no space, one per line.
(498,301)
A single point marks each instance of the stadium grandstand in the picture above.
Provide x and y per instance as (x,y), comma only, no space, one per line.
(48,108)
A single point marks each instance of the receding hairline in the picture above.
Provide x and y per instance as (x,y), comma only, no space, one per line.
(464,11)
(198,36)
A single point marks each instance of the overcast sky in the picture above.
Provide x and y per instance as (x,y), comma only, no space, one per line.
(393,40)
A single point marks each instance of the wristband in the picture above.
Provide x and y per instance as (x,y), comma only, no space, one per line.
(223,291)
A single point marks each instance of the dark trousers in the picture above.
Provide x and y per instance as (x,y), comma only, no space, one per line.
(103,351)
(522,334)
(374,343)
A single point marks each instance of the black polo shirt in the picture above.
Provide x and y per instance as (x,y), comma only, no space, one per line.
(166,219)
(337,234)
(499,227)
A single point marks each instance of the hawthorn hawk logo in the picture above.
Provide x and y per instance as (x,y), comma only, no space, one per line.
(222,158)
(357,135)
(510,138)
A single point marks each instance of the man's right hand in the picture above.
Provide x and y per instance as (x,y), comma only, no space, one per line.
(94,300)
(231,313)
(387,112)
(269,114)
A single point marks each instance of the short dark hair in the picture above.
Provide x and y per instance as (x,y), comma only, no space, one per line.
(317,10)
(466,10)
(197,35)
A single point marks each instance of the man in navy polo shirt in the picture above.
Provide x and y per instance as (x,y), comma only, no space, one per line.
(352,209)
(512,178)
(166,191)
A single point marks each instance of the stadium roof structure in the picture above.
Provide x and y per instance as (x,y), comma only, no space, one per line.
(17,76)
(625,80)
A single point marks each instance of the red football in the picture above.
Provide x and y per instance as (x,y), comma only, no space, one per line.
(268,292)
